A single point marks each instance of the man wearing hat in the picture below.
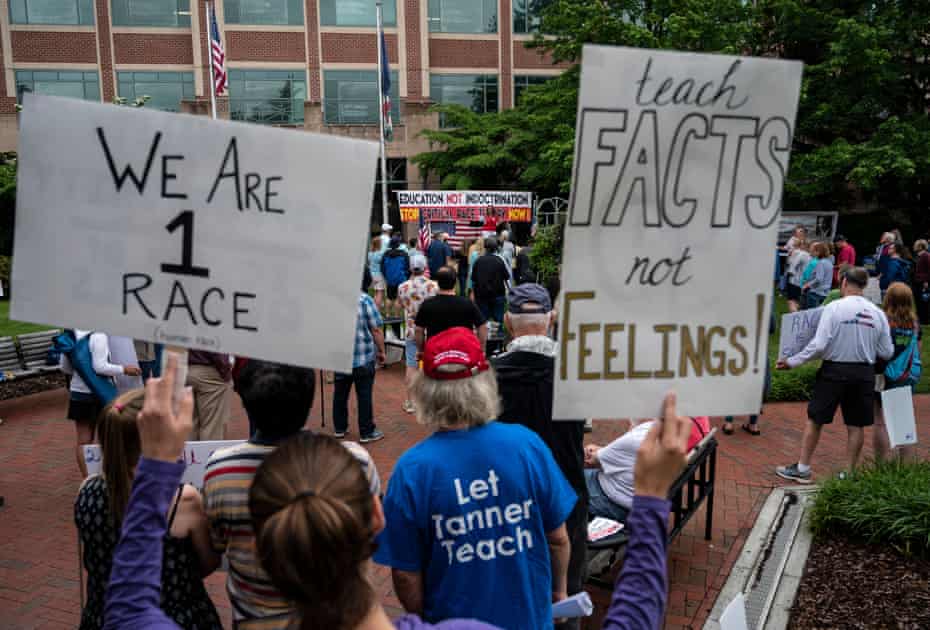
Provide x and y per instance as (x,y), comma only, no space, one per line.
(386,230)
(475,514)
(525,377)
(845,255)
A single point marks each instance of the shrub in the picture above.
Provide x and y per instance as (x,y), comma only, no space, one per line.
(887,504)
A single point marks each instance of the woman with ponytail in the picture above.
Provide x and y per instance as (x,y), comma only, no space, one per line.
(315,521)
(99,512)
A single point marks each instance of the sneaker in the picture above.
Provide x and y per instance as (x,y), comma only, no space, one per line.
(374,436)
(792,473)
(408,406)
(339,434)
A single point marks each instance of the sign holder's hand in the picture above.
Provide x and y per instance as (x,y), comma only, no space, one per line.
(664,453)
(782,364)
(132,370)
(163,431)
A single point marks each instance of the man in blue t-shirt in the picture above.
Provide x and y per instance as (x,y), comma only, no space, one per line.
(439,254)
(475,514)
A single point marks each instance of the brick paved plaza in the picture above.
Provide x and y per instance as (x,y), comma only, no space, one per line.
(39,585)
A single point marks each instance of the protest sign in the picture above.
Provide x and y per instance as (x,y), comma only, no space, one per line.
(464,205)
(797,330)
(123,352)
(196,455)
(182,230)
(680,160)
(898,410)
(873,291)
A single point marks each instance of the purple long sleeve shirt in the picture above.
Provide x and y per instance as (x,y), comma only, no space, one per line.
(134,591)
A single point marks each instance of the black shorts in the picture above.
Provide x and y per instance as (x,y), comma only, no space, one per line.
(794,292)
(392,292)
(849,386)
(84,408)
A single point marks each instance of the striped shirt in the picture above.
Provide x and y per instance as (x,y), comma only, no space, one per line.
(256,603)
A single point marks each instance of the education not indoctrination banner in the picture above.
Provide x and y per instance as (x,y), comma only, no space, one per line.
(680,160)
(182,230)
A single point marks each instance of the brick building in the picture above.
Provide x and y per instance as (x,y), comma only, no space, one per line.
(309,64)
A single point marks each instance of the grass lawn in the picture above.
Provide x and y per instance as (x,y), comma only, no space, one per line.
(792,385)
(8,328)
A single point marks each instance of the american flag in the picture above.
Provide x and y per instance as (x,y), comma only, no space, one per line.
(460,231)
(220,78)
(386,92)
(424,237)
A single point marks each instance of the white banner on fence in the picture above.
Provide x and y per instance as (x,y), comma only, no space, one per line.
(898,410)
(680,161)
(797,330)
(196,455)
(179,229)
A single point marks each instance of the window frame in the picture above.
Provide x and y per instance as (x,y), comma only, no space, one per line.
(296,117)
(335,101)
(388,22)
(88,78)
(84,11)
(294,7)
(435,24)
(121,17)
(436,80)
(184,79)
(522,81)
(532,21)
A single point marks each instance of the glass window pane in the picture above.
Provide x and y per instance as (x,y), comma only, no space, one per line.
(148,13)
(463,16)
(18,12)
(356,12)
(165,89)
(269,97)
(51,12)
(264,11)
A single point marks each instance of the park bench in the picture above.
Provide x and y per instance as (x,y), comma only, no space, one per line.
(25,356)
(692,487)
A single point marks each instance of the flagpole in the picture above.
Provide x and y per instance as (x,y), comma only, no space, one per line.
(210,58)
(384,173)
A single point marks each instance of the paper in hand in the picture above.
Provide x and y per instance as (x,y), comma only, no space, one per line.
(578,605)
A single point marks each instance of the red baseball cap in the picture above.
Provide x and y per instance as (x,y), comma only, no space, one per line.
(453,354)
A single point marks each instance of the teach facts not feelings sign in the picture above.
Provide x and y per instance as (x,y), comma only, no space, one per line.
(182,230)
(680,160)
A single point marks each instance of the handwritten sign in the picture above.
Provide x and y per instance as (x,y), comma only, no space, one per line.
(196,455)
(797,330)
(178,229)
(680,161)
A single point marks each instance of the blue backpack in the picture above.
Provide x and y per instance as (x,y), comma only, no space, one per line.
(395,264)
(78,352)
(905,368)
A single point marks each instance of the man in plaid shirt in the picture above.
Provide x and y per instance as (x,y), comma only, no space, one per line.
(369,347)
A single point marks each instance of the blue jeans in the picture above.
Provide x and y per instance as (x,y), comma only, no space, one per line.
(599,504)
(493,308)
(364,379)
(812,300)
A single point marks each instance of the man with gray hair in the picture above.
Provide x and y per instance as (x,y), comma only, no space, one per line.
(525,376)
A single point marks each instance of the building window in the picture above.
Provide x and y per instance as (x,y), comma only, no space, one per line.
(85,85)
(269,97)
(356,12)
(463,16)
(527,15)
(264,12)
(166,89)
(477,92)
(151,12)
(521,82)
(52,11)
(351,97)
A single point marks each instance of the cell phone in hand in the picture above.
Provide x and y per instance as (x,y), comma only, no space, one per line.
(180,380)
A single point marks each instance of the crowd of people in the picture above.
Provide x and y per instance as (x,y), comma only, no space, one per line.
(484,523)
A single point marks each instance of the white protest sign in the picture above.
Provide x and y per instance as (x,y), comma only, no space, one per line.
(873,291)
(178,229)
(196,455)
(898,411)
(666,284)
(123,352)
(797,330)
